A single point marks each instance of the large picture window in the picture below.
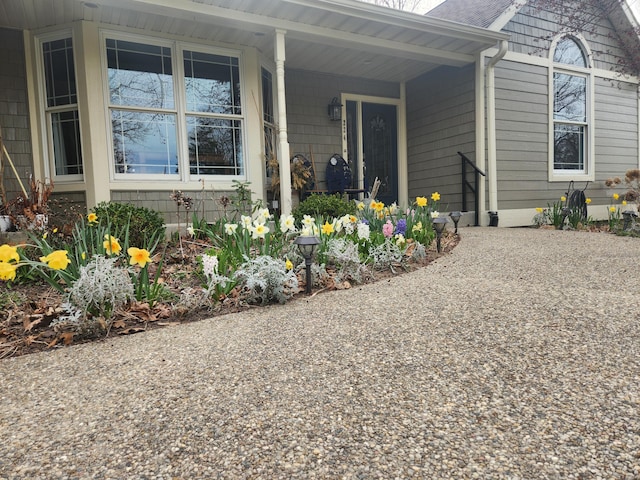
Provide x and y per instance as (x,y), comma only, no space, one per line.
(61,108)
(570,109)
(149,111)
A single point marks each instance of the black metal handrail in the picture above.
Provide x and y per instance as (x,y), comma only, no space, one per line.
(467,185)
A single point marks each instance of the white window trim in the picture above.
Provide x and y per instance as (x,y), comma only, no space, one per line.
(49,167)
(577,175)
(177,65)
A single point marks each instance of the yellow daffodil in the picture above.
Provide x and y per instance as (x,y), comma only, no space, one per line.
(111,245)
(57,260)
(563,198)
(288,264)
(8,253)
(612,209)
(539,209)
(624,202)
(435,196)
(92,218)
(616,196)
(55,230)
(45,235)
(421,201)
(139,256)
(360,205)
(84,255)
(588,201)
(327,228)
(417,227)
(8,271)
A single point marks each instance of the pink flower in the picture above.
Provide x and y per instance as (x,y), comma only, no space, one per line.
(387,229)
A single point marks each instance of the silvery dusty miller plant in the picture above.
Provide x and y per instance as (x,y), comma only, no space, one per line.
(265,279)
(102,287)
(386,255)
(344,255)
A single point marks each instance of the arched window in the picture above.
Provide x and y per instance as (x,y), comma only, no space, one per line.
(571,109)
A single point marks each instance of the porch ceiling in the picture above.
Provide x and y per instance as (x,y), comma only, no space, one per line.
(335,36)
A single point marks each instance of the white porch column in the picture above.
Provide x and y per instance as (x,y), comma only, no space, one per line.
(283,142)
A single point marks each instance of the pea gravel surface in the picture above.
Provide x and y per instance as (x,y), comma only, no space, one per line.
(515,357)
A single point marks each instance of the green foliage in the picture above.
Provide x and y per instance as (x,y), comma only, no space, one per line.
(242,200)
(324,206)
(10,298)
(145,226)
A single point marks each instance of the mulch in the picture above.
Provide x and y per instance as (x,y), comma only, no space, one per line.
(28,311)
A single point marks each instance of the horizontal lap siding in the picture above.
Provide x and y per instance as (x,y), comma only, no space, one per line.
(440,122)
(616,142)
(309,127)
(160,201)
(522,132)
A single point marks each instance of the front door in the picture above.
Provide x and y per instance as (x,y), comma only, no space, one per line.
(372,146)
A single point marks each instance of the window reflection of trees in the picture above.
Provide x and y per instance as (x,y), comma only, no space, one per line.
(570,97)
(568,148)
(143,114)
(569,107)
(215,146)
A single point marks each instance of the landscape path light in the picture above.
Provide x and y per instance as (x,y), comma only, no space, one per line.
(455,216)
(628,216)
(438,225)
(307,244)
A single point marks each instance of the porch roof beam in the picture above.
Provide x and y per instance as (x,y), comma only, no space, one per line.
(191,11)
(404,19)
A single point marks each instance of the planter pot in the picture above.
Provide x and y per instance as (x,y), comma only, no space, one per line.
(5,223)
(40,221)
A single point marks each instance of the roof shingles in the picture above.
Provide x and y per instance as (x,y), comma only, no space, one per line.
(479,13)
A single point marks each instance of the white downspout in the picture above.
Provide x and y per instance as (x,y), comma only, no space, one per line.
(481,155)
(492,169)
(283,142)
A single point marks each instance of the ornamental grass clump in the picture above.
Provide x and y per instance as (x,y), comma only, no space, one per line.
(265,279)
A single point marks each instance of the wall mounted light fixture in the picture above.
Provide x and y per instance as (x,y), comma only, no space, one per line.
(335,110)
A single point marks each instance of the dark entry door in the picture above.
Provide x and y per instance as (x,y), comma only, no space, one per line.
(380,148)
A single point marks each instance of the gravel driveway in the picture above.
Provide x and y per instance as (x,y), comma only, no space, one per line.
(517,356)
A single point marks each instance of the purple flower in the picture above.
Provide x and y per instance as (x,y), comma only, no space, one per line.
(401,227)
(387,229)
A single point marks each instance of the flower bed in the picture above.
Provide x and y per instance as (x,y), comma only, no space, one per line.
(93,282)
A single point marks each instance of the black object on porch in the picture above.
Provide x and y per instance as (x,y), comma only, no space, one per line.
(473,187)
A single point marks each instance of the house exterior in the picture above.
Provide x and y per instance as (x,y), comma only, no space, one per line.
(130,100)
(557,108)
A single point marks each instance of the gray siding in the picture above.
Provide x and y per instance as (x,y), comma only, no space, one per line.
(616,142)
(14,112)
(159,200)
(522,135)
(532,30)
(309,127)
(522,130)
(523,124)
(440,122)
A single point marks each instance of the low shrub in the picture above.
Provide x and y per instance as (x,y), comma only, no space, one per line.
(325,206)
(143,224)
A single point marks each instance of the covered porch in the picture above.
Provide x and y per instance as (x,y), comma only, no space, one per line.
(294,57)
